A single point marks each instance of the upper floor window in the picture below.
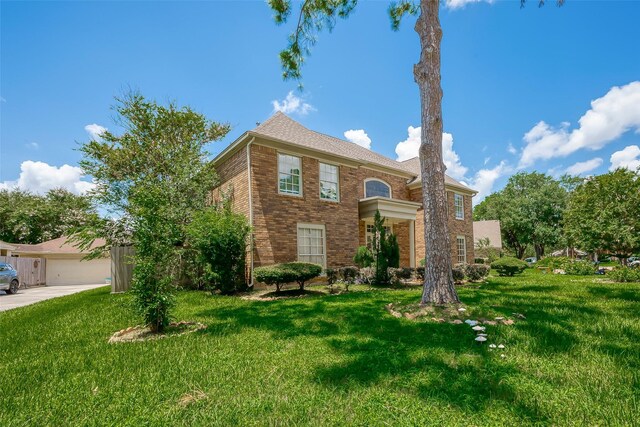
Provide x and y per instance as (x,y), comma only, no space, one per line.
(375,187)
(458,202)
(329,179)
(289,174)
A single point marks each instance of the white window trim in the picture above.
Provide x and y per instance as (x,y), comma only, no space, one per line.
(324,239)
(368,223)
(320,181)
(455,195)
(382,181)
(278,154)
(464,239)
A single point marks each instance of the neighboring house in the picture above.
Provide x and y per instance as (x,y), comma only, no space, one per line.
(312,197)
(64,262)
(6,248)
(488,230)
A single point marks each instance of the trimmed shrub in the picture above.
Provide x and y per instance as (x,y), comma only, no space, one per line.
(405,273)
(579,268)
(420,273)
(394,276)
(363,257)
(476,272)
(625,274)
(458,272)
(479,261)
(508,266)
(332,275)
(366,275)
(274,275)
(349,273)
(303,271)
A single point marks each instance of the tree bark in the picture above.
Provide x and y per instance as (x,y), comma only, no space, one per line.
(438,280)
(540,251)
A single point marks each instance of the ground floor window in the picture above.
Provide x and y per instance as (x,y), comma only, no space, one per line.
(312,244)
(462,249)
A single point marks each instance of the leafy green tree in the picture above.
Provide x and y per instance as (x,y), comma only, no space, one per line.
(219,238)
(385,249)
(315,15)
(530,210)
(603,214)
(154,176)
(31,218)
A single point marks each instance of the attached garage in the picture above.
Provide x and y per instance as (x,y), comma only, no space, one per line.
(75,271)
(65,264)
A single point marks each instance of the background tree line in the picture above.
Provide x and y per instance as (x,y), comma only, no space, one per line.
(599,214)
(26,217)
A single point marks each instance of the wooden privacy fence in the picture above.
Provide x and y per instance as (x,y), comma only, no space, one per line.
(31,271)
(121,268)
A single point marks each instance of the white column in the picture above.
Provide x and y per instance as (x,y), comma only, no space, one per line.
(412,243)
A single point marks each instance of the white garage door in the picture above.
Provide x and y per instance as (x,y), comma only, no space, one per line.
(77,272)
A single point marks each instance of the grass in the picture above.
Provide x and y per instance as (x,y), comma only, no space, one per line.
(331,360)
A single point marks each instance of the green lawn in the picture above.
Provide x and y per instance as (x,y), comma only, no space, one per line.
(331,360)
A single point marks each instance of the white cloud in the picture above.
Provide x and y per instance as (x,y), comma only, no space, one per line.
(408,149)
(484,180)
(511,149)
(40,177)
(586,166)
(32,145)
(609,117)
(95,131)
(292,104)
(628,158)
(358,136)
(459,4)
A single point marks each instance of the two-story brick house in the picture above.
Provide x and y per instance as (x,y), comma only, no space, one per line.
(312,197)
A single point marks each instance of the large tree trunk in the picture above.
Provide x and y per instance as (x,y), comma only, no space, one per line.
(539,251)
(438,280)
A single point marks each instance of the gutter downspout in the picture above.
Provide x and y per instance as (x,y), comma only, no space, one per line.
(248,148)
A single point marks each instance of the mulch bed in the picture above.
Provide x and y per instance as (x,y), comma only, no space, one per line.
(144,333)
(451,313)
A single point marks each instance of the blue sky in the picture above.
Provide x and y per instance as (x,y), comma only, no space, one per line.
(516,81)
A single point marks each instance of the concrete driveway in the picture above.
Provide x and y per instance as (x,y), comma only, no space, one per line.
(33,295)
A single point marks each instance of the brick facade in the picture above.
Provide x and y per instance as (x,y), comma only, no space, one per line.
(276,216)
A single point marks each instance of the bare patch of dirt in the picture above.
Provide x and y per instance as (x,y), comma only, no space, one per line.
(144,333)
(192,397)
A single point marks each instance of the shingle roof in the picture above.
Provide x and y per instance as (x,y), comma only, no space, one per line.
(413,164)
(58,246)
(281,127)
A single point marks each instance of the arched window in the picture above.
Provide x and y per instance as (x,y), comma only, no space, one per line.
(376,187)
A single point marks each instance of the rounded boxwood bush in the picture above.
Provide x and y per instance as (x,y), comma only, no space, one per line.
(458,272)
(508,266)
(274,275)
(476,272)
(303,271)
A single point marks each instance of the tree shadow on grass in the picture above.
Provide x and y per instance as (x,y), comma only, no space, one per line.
(375,347)
(611,292)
